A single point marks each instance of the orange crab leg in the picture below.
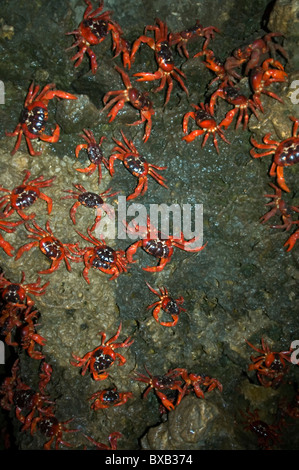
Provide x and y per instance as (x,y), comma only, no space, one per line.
(160,267)
(290,243)
(280,177)
(24,248)
(48,200)
(143,39)
(6,246)
(165,401)
(190,137)
(51,138)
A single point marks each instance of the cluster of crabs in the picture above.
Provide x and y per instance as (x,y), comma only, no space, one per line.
(257,62)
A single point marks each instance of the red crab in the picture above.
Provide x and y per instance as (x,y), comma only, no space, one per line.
(262,77)
(268,434)
(92,31)
(168,304)
(103,356)
(94,152)
(240,102)
(44,376)
(164,57)
(102,257)
(156,245)
(34,116)
(270,366)
(11,317)
(112,438)
(160,384)
(90,200)
(254,53)
(181,39)
(195,382)
(28,335)
(8,386)
(51,247)
(26,401)
(222,72)
(279,205)
(136,165)
(204,119)
(285,153)
(109,397)
(17,293)
(52,428)
(286,215)
(133,96)
(8,227)
(25,195)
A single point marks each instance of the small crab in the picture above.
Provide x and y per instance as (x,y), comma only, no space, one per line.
(240,102)
(261,77)
(136,164)
(28,335)
(90,200)
(102,257)
(102,357)
(92,31)
(26,401)
(9,385)
(133,96)
(268,434)
(195,382)
(109,397)
(17,293)
(168,304)
(11,318)
(35,116)
(94,152)
(270,366)
(285,153)
(204,119)
(286,213)
(255,52)
(9,227)
(223,72)
(51,247)
(164,57)
(181,39)
(156,245)
(160,384)
(25,195)
(279,205)
(112,438)
(52,428)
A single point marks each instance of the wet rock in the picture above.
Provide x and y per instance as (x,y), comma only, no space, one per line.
(6,31)
(275,119)
(284,18)
(195,424)
(75,115)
